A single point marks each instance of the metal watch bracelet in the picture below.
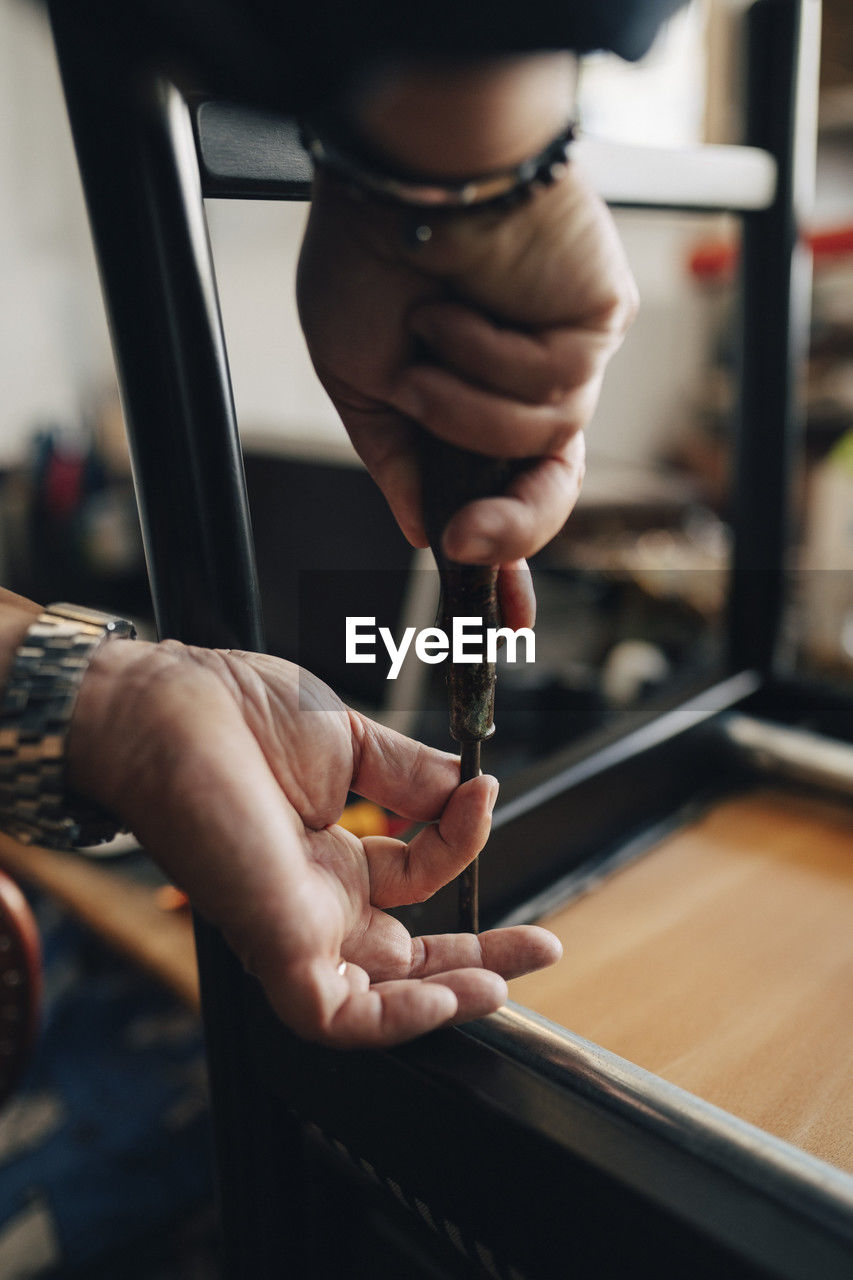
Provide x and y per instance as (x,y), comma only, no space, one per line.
(35,714)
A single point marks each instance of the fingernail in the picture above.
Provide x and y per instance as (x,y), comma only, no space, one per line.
(493,795)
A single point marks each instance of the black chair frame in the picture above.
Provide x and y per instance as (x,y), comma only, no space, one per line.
(508,1148)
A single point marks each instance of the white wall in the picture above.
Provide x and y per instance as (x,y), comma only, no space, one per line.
(54,350)
(255,248)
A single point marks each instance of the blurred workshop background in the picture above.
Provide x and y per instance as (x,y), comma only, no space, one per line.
(631,593)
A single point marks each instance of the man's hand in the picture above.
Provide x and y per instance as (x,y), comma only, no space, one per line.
(232,769)
(493,334)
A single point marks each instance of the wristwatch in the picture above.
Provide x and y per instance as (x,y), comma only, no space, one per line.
(35,714)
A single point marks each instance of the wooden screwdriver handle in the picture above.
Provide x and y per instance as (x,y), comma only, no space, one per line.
(452,478)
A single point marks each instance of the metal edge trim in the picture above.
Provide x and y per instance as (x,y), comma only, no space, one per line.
(777,750)
(697,710)
(770,1165)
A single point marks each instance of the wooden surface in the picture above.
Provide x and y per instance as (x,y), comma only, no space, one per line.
(124,914)
(723,961)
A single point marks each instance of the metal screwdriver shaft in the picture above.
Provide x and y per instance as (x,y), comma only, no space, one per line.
(452,478)
(469,881)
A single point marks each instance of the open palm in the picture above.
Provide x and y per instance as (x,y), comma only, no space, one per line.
(240,767)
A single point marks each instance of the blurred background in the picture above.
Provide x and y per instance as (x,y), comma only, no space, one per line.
(631,593)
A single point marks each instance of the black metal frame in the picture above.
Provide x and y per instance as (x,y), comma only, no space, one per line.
(510,1139)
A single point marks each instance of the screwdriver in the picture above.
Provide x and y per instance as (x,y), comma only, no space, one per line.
(453,477)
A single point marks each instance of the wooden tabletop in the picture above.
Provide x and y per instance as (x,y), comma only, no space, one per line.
(723,961)
(124,914)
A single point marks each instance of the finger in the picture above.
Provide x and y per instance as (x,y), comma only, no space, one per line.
(516,595)
(535,506)
(538,367)
(398,773)
(477,991)
(390,1013)
(334,1004)
(507,952)
(386,443)
(403,873)
(486,421)
(356,978)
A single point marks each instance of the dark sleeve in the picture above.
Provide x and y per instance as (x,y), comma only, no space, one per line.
(296,54)
(626,27)
(324,41)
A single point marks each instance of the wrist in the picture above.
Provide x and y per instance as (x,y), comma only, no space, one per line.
(97,746)
(463,119)
(392,231)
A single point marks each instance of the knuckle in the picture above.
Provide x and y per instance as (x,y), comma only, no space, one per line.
(563,433)
(552,368)
(588,362)
(579,358)
(623,307)
(523,526)
(418,957)
(631,300)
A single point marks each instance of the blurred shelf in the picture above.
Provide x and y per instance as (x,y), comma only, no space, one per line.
(835,115)
(702,178)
